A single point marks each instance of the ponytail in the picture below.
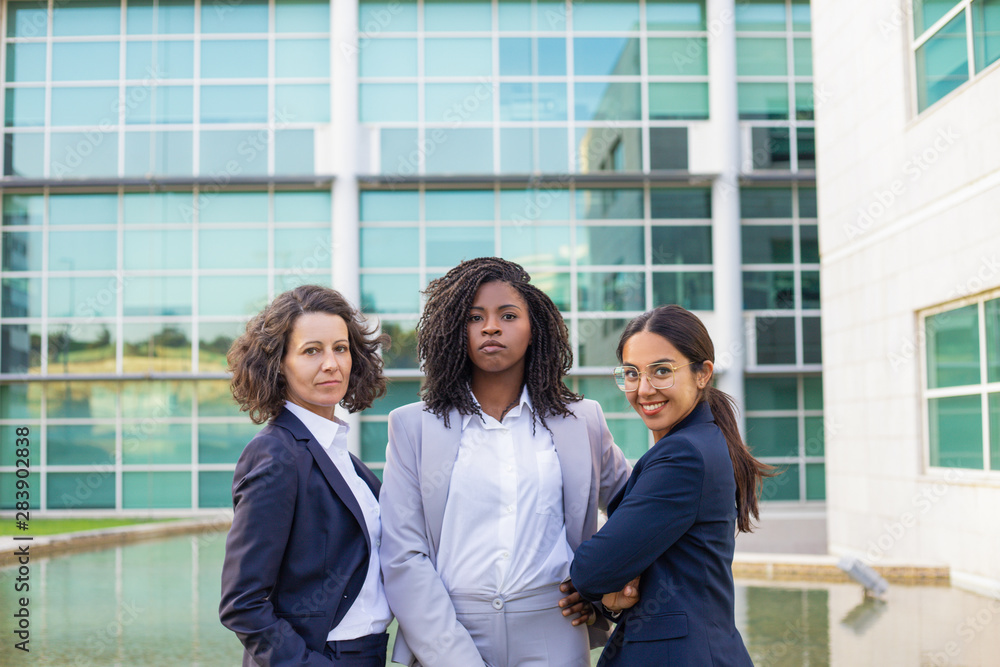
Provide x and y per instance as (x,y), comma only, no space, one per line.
(749,472)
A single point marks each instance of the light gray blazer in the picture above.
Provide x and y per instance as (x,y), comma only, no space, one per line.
(419,462)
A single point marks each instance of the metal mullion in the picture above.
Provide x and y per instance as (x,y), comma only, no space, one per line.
(940,23)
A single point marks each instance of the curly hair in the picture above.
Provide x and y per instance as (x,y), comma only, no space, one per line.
(255,357)
(442,341)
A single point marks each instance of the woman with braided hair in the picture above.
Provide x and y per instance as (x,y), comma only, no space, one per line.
(492,481)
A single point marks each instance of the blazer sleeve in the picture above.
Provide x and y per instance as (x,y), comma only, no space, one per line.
(614,467)
(415,592)
(659,508)
(264,494)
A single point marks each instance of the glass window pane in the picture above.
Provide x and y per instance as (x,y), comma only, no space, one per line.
(956,431)
(84,61)
(603,389)
(460,151)
(97,17)
(942,63)
(300,58)
(160,104)
(775,340)
(994,431)
(81,400)
(458,205)
(398,151)
(605,15)
(157,208)
(802,49)
(85,106)
(609,246)
(609,148)
(23,209)
(515,57)
(762,101)
(231,295)
(174,17)
(804,102)
(668,148)
(993,340)
(927,12)
(815,481)
(801,18)
(390,293)
(693,290)
(245,16)
(27,19)
(83,297)
(766,202)
(813,388)
(757,56)
(608,204)
(303,249)
(81,445)
(401,392)
(167,295)
(441,57)
(228,151)
(215,400)
(302,206)
(448,246)
(464,15)
(233,59)
(522,206)
(22,297)
(25,155)
(680,203)
(611,291)
(223,443)
(82,154)
(764,290)
(542,15)
(21,401)
(767,244)
(302,103)
(675,15)
(390,206)
(676,56)
(390,247)
(810,289)
(678,101)
(806,147)
(452,102)
(599,340)
(234,104)
(21,346)
(986,32)
(807,202)
(387,102)
(772,148)
(155,490)
(81,348)
(151,61)
(536,245)
(376,16)
(607,100)
(773,436)
(815,436)
(812,343)
(533,101)
(760,15)
(387,57)
(631,435)
(22,251)
(88,209)
(214,489)
(234,207)
(214,341)
(556,286)
(953,347)
(76,251)
(606,56)
(374,436)
(682,245)
(165,399)
(767,393)
(25,107)
(156,348)
(302,16)
(161,153)
(156,443)
(80,490)
(402,354)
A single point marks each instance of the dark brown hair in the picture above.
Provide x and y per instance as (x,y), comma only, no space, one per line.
(688,334)
(442,340)
(255,357)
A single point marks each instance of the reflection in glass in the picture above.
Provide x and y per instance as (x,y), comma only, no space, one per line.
(93,444)
(756,56)
(24,154)
(775,340)
(556,286)
(81,348)
(533,150)
(631,435)
(159,295)
(772,148)
(765,290)
(678,101)
(605,15)
(807,203)
(675,14)
(20,401)
(815,436)
(159,104)
(994,402)
(766,202)
(215,399)
(611,291)
(238,295)
(680,203)
(21,348)
(681,244)
(928,12)
(536,245)
(156,443)
(607,100)
(678,56)
(606,56)
(214,490)
(693,290)
(24,107)
(812,386)
(22,251)
(387,102)
(390,293)
(785,486)
(527,206)
(306,206)
(609,246)
(761,15)
(986,32)
(771,393)
(762,101)
(767,244)
(455,103)
(21,297)
(517,56)
(608,204)
(956,431)
(609,149)
(942,62)
(533,101)
(154,398)
(804,102)
(152,490)
(403,351)
(81,400)
(27,19)
(810,289)
(215,339)
(773,436)
(806,147)
(223,443)
(156,348)
(812,343)
(83,297)
(23,209)
(598,341)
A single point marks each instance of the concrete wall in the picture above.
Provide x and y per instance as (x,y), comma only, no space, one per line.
(909,211)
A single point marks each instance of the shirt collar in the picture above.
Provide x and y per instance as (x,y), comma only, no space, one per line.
(513,413)
(326,432)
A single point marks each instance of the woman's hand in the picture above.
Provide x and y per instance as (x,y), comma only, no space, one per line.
(623,599)
(574,604)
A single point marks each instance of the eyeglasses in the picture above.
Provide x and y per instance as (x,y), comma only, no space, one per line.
(660,376)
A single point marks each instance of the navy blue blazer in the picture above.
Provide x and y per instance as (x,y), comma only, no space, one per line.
(298,550)
(674,523)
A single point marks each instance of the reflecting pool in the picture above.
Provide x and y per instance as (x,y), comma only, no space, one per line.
(156,603)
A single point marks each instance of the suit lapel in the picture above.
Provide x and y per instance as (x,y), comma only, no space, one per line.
(438,452)
(573,449)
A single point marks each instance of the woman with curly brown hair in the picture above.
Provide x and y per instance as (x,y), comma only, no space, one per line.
(492,481)
(301,582)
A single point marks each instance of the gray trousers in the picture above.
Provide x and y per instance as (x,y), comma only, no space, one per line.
(526,628)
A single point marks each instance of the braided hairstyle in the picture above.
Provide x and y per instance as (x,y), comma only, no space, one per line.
(442,341)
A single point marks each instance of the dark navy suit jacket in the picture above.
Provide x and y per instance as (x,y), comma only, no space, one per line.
(298,550)
(674,523)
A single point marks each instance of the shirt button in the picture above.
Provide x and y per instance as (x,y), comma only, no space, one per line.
(505,430)
(505,555)
(378,543)
(510,509)
(510,468)
(498,604)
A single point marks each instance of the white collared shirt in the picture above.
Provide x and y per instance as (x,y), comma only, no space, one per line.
(370,612)
(503,529)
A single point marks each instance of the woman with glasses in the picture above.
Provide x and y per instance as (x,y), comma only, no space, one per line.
(492,481)
(673,526)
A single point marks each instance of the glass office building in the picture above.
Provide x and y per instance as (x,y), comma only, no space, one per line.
(168,167)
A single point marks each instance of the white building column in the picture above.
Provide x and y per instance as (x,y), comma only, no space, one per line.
(728,334)
(343,161)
